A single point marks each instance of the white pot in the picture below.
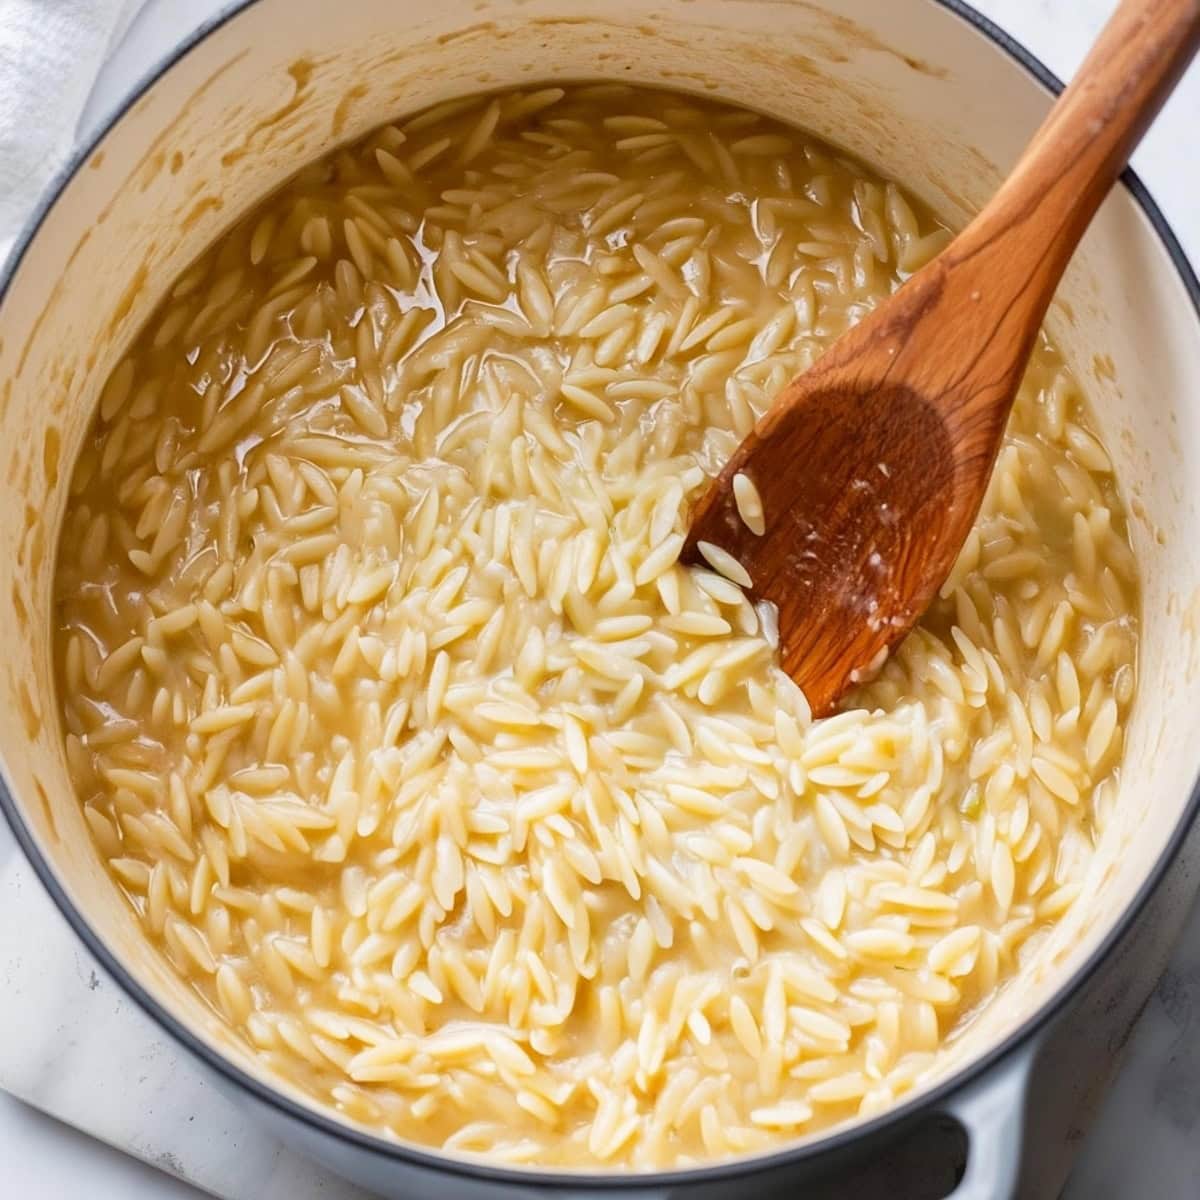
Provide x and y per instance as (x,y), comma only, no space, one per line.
(925,92)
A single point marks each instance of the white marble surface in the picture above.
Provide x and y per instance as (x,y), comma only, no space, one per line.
(73,1045)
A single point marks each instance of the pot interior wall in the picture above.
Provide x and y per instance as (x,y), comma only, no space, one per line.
(912,89)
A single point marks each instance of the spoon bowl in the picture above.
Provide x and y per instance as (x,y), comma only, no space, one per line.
(851,558)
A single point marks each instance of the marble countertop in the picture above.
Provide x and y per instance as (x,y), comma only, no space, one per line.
(1146,1140)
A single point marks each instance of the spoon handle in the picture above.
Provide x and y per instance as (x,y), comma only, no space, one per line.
(1048,200)
(991,287)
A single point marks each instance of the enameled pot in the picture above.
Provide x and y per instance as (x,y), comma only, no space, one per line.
(925,91)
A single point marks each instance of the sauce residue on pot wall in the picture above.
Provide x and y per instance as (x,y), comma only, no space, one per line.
(301,72)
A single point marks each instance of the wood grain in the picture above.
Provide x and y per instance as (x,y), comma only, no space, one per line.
(873,464)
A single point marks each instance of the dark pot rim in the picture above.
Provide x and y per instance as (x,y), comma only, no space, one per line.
(889,1122)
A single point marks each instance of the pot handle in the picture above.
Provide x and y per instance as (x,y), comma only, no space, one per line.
(992,1113)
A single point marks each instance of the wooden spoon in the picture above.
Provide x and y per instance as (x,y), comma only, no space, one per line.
(872,465)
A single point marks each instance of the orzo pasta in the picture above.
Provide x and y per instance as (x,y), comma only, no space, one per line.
(418,752)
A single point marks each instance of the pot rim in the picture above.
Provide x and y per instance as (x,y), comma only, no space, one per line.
(890,1121)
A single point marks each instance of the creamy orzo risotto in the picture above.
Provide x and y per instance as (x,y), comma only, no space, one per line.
(420,755)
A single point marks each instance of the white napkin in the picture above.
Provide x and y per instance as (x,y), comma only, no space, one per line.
(50,54)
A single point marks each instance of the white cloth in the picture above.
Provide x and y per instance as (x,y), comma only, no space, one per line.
(50,54)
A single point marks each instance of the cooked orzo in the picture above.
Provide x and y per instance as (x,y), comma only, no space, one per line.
(417,751)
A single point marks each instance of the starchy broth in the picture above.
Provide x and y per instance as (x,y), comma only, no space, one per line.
(416,750)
